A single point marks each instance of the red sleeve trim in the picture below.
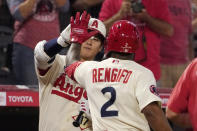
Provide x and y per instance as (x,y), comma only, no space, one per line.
(70,70)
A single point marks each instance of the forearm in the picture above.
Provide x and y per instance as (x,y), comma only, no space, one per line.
(159,26)
(26,8)
(60,3)
(180,119)
(45,52)
(84,4)
(156,118)
(73,54)
(51,48)
(109,22)
(90,3)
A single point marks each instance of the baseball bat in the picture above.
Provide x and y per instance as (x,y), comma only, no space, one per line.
(79,119)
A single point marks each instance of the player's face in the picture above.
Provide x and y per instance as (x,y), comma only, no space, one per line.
(90,48)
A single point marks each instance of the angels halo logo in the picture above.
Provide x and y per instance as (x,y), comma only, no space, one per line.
(153,89)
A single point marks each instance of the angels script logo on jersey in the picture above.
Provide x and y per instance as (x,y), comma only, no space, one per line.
(66,88)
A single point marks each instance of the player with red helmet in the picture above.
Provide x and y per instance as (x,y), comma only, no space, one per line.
(123,37)
(121,93)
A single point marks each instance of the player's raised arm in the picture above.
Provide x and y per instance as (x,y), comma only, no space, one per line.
(44,52)
(149,102)
(156,117)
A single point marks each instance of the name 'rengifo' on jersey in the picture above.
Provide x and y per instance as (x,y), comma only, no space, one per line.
(117,92)
(59,97)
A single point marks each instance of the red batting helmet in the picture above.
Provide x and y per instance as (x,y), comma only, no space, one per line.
(123,37)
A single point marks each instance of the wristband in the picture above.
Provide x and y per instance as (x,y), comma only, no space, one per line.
(62,42)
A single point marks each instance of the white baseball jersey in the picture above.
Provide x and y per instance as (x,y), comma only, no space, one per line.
(59,97)
(117,92)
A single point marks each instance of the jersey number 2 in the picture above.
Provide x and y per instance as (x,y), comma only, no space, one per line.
(104,112)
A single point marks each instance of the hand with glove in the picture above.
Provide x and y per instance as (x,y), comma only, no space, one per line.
(64,38)
(79,28)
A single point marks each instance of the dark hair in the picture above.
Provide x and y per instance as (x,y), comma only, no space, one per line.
(99,36)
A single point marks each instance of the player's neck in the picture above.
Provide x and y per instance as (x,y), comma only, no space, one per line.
(82,59)
(122,56)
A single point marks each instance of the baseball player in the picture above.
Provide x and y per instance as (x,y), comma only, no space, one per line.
(121,93)
(59,96)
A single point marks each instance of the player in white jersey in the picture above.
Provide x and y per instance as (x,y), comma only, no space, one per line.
(121,93)
(59,95)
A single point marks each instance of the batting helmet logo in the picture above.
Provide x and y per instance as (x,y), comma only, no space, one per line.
(126,48)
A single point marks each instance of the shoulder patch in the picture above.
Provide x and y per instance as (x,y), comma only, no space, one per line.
(153,90)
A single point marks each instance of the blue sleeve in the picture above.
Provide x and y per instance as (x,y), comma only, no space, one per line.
(51,48)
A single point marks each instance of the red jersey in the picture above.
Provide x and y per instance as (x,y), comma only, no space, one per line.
(180,11)
(155,8)
(184,95)
(42,25)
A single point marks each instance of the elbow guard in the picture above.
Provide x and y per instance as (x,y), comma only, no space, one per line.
(42,60)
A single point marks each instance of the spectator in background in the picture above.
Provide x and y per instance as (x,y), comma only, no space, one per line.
(181,107)
(152,21)
(6,30)
(194,26)
(5,16)
(84,4)
(174,51)
(92,6)
(35,20)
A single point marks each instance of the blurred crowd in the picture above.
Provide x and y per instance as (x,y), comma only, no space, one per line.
(168,33)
